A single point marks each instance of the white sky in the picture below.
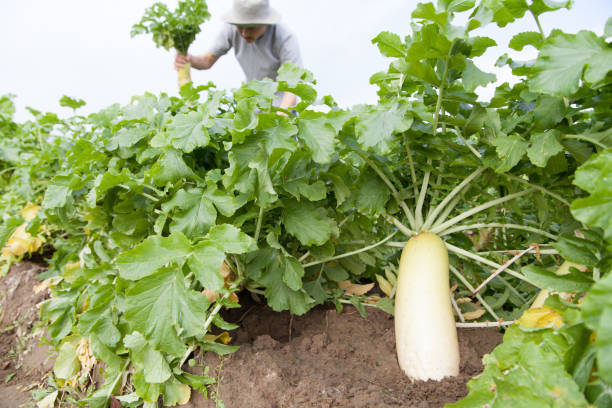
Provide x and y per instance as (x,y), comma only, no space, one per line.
(83,48)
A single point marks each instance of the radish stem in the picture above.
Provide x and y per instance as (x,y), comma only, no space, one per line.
(467,254)
(498,225)
(485,324)
(419,206)
(393,190)
(478,209)
(404,229)
(432,217)
(358,251)
(259,221)
(500,270)
(468,285)
(457,310)
(540,188)
(411,163)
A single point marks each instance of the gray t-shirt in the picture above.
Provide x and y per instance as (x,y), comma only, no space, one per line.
(262,58)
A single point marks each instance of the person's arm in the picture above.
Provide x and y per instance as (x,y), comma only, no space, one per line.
(204,61)
(289,100)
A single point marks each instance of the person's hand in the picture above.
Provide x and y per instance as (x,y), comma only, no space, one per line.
(181,60)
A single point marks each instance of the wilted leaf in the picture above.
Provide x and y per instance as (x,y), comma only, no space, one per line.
(355,289)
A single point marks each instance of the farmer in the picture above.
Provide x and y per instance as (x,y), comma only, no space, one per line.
(260,43)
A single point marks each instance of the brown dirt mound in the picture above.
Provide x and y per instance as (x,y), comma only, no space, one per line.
(321,359)
(329,359)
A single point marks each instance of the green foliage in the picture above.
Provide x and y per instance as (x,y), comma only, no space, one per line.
(162,210)
(173,29)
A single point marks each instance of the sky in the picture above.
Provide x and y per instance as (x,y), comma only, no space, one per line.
(83,48)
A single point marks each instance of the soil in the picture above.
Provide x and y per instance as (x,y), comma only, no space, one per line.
(322,359)
(24,362)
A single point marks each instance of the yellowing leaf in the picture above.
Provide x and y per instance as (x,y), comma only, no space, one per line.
(72,266)
(20,243)
(29,211)
(541,317)
(385,285)
(355,289)
(48,401)
(224,338)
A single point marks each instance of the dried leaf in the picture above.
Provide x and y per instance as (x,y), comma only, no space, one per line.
(474,314)
(86,357)
(355,289)
(211,295)
(463,300)
(225,271)
(372,299)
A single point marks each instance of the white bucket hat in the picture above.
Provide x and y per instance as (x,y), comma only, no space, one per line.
(252,12)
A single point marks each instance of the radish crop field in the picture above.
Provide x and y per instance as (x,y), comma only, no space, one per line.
(155,216)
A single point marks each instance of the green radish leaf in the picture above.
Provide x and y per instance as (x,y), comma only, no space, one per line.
(279,295)
(577,250)
(161,307)
(153,253)
(98,317)
(480,45)
(575,281)
(544,146)
(319,135)
(187,132)
(376,126)
(542,6)
(427,11)
(525,370)
(521,40)
(72,103)
(595,210)
(170,168)
(294,272)
(510,150)
(597,314)
(390,45)
(596,174)
(566,59)
(58,192)
(231,240)
(114,363)
(473,77)
(548,111)
(192,213)
(67,362)
(309,224)
(146,359)
(205,261)
(176,393)
(372,195)
(457,6)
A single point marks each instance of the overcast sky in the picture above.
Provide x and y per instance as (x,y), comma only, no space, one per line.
(83,48)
